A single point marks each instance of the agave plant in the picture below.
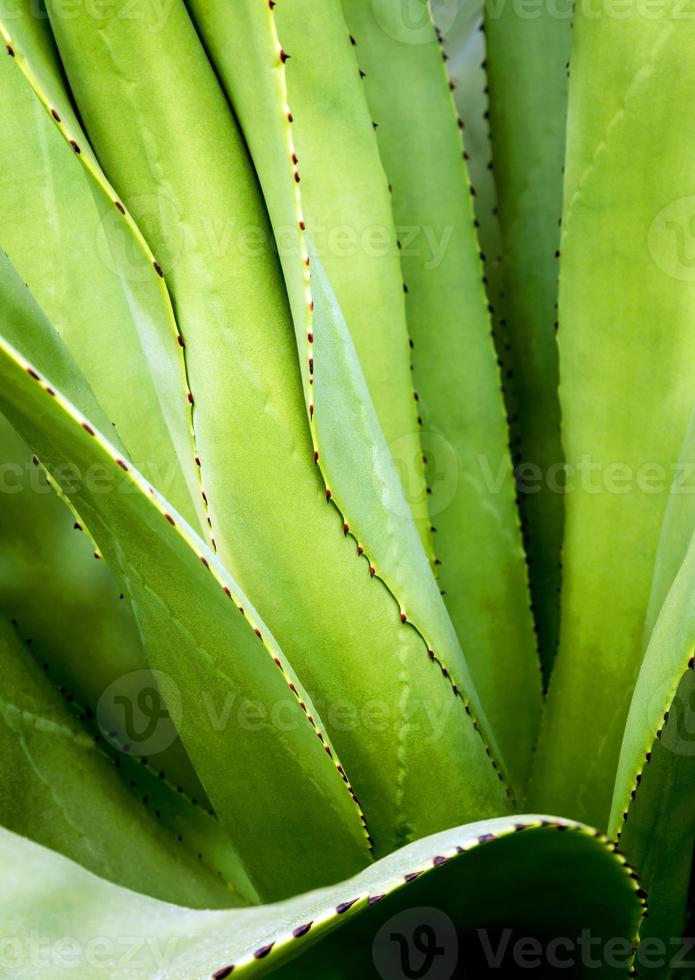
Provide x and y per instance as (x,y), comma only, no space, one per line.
(347,571)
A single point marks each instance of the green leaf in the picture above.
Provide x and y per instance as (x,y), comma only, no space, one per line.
(211,237)
(526,61)
(272,781)
(396,722)
(464,44)
(350,448)
(653,801)
(121,244)
(24,322)
(461,34)
(347,212)
(61,790)
(65,603)
(627,364)
(495,883)
(676,531)
(68,609)
(53,232)
(478,541)
(652,810)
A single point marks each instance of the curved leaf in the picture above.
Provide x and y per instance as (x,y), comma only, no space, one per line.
(482,890)
(53,232)
(339,627)
(68,609)
(653,811)
(527,72)
(206,649)
(478,540)
(29,42)
(627,362)
(347,212)
(653,803)
(349,447)
(65,603)
(59,789)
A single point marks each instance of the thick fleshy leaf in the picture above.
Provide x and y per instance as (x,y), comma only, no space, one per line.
(485,894)
(276,782)
(464,44)
(59,788)
(653,808)
(461,33)
(526,62)
(339,626)
(53,232)
(478,542)
(65,603)
(349,446)
(676,531)
(24,323)
(120,243)
(627,365)
(347,212)
(68,609)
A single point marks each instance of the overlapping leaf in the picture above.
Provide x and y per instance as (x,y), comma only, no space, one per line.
(527,60)
(478,543)
(627,364)
(206,649)
(479,890)
(60,789)
(287,546)
(652,809)
(119,243)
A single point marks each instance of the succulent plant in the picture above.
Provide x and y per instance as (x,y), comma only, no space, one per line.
(347,572)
